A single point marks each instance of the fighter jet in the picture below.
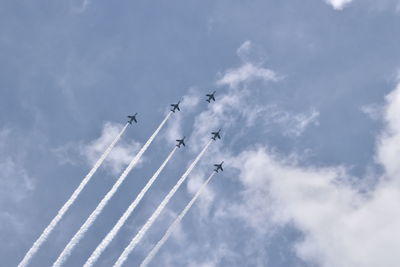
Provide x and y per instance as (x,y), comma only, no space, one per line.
(218,167)
(181,142)
(175,107)
(132,119)
(216,135)
(210,97)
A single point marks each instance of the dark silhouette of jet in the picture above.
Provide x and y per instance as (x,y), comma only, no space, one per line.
(216,135)
(181,142)
(210,97)
(132,119)
(218,167)
(175,107)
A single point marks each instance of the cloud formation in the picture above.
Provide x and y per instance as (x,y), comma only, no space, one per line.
(343,220)
(341,225)
(247,73)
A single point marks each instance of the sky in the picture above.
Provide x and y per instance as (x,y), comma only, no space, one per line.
(307,96)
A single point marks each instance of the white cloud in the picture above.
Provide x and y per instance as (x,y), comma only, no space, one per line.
(251,69)
(343,222)
(120,156)
(248,72)
(341,226)
(338,4)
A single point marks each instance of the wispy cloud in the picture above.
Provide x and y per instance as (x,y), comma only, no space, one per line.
(251,70)
(290,124)
(247,73)
(341,226)
(15,180)
(120,156)
(373,111)
(16,186)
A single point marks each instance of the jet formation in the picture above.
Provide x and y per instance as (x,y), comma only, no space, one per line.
(181,142)
(93,216)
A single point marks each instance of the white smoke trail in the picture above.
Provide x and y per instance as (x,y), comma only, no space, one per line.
(89,221)
(110,236)
(172,227)
(43,237)
(122,258)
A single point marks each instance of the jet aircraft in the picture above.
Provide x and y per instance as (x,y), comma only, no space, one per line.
(218,167)
(216,135)
(132,119)
(175,107)
(210,97)
(181,142)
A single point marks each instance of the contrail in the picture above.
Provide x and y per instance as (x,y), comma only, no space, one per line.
(167,234)
(122,258)
(89,221)
(43,237)
(110,236)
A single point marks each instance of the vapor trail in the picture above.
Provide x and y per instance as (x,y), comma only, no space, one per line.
(167,234)
(43,237)
(89,221)
(110,236)
(122,258)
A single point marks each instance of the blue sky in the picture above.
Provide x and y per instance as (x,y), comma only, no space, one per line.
(308,96)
